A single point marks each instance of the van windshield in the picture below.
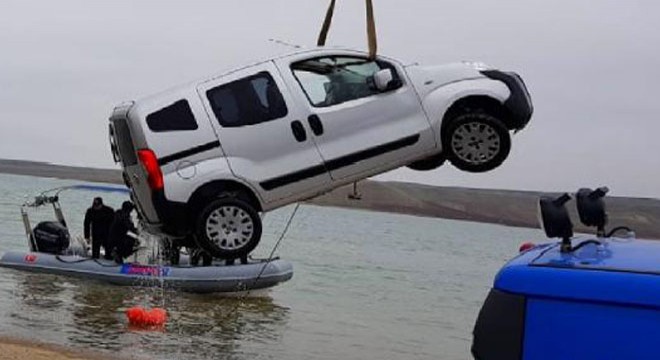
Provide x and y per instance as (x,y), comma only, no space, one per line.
(333,80)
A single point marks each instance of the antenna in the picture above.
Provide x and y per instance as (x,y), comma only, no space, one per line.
(285,43)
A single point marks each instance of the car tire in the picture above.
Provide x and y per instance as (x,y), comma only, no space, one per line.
(476,142)
(228,228)
(430,163)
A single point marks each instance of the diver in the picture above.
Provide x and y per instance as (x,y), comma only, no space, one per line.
(99,218)
(120,232)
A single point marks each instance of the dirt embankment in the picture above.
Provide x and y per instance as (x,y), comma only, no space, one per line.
(514,208)
(13,349)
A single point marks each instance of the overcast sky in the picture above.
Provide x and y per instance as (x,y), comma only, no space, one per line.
(592,67)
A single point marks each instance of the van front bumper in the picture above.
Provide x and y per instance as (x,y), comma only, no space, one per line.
(519,103)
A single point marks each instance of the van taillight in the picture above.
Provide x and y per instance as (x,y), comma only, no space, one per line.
(150,163)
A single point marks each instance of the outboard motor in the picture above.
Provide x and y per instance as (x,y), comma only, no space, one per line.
(51,237)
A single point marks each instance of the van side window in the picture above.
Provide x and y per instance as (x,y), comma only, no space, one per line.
(176,117)
(248,101)
(333,80)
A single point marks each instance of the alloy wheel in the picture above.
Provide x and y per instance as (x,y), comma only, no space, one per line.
(475,142)
(229,227)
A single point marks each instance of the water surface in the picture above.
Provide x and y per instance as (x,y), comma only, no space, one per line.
(366,285)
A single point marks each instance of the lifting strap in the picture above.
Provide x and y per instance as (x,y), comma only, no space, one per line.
(326,24)
(371,28)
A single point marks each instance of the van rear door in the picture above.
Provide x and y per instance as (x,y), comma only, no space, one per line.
(134,174)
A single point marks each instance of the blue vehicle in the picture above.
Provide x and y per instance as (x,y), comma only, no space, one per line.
(586,297)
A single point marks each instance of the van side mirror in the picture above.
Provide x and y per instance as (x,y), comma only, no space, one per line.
(384,80)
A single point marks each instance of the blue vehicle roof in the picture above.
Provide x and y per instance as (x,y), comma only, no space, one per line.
(619,271)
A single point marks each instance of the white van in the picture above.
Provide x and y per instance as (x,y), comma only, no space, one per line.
(204,159)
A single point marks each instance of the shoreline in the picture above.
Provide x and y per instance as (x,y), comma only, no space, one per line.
(502,207)
(19,349)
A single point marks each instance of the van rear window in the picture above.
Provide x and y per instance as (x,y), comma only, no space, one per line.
(176,117)
(124,143)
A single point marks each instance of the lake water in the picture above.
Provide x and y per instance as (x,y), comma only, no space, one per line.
(366,285)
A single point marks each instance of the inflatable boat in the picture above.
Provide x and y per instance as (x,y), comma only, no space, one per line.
(52,251)
(585,297)
(255,275)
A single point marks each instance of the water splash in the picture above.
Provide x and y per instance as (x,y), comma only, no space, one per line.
(149,290)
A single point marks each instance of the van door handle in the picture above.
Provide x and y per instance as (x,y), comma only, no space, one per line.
(298,131)
(316,124)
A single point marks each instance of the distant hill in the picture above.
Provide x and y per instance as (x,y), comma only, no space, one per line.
(507,207)
(514,208)
(34,168)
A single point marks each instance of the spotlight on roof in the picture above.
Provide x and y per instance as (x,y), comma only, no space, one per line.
(555,220)
(591,208)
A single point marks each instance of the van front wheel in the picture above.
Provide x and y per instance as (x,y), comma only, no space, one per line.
(476,142)
(228,228)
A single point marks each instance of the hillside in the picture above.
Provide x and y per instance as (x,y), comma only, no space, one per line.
(34,168)
(514,208)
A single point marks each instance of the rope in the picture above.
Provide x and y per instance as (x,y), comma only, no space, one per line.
(77,261)
(270,258)
(277,244)
(371,28)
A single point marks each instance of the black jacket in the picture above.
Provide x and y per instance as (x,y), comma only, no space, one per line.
(99,221)
(121,225)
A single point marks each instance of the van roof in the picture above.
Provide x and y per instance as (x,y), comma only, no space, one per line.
(314,50)
(621,271)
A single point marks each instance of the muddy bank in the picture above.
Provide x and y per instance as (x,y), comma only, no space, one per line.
(15,349)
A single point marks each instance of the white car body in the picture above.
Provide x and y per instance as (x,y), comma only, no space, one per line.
(357,138)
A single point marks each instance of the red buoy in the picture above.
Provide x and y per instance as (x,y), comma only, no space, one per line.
(526,246)
(140,317)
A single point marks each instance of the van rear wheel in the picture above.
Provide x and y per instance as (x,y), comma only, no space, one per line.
(228,228)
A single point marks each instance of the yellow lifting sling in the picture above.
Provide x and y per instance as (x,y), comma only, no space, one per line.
(371,28)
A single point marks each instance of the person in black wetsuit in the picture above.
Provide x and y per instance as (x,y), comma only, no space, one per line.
(98,219)
(122,243)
